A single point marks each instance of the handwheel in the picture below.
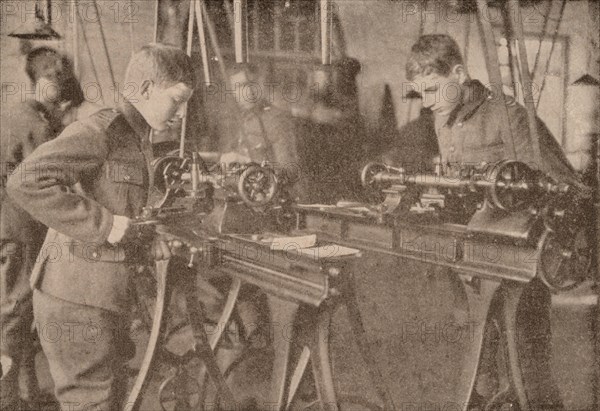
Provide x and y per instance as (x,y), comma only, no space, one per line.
(257,185)
(367,176)
(179,392)
(168,172)
(565,260)
(511,185)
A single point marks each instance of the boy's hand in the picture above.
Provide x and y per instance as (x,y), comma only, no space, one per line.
(121,226)
(124,231)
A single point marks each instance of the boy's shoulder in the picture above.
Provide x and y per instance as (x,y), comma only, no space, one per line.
(106,124)
(107,121)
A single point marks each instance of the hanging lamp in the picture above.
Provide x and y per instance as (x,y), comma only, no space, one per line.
(38,28)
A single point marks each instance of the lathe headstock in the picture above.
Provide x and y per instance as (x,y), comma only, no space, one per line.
(506,202)
(232,199)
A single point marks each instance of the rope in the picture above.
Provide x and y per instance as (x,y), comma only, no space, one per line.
(541,39)
(515,10)
(554,38)
(493,68)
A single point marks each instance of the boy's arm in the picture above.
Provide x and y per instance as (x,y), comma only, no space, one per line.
(22,134)
(553,159)
(42,184)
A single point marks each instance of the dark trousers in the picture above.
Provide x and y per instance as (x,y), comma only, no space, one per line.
(16,318)
(87,349)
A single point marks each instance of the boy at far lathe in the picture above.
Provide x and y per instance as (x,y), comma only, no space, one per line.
(468,117)
(88,185)
(470,130)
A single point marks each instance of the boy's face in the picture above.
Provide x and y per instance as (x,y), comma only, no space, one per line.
(49,92)
(165,105)
(442,94)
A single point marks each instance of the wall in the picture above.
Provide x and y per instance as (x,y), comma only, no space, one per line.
(377,33)
(126,24)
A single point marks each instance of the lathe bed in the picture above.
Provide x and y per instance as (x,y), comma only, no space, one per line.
(443,244)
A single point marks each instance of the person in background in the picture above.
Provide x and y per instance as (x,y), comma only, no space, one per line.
(27,125)
(266,133)
(90,182)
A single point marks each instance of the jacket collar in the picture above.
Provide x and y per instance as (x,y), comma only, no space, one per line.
(135,120)
(473,94)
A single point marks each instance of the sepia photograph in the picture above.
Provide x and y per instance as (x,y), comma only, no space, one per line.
(287,205)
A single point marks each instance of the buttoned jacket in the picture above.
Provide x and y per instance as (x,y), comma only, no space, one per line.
(476,132)
(97,168)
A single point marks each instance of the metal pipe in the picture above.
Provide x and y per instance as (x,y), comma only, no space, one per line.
(89,51)
(131,29)
(75,45)
(103,37)
(156,15)
(202,35)
(325,32)
(239,20)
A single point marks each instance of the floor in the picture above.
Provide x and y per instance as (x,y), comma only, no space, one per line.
(421,369)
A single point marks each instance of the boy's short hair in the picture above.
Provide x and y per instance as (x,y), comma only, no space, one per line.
(433,53)
(43,62)
(161,63)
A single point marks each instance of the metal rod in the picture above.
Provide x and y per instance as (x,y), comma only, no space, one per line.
(156,15)
(190,37)
(515,11)
(202,35)
(75,45)
(89,51)
(103,37)
(325,32)
(239,20)
(131,31)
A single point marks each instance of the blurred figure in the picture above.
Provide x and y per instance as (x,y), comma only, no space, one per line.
(27,125)
(266,133)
